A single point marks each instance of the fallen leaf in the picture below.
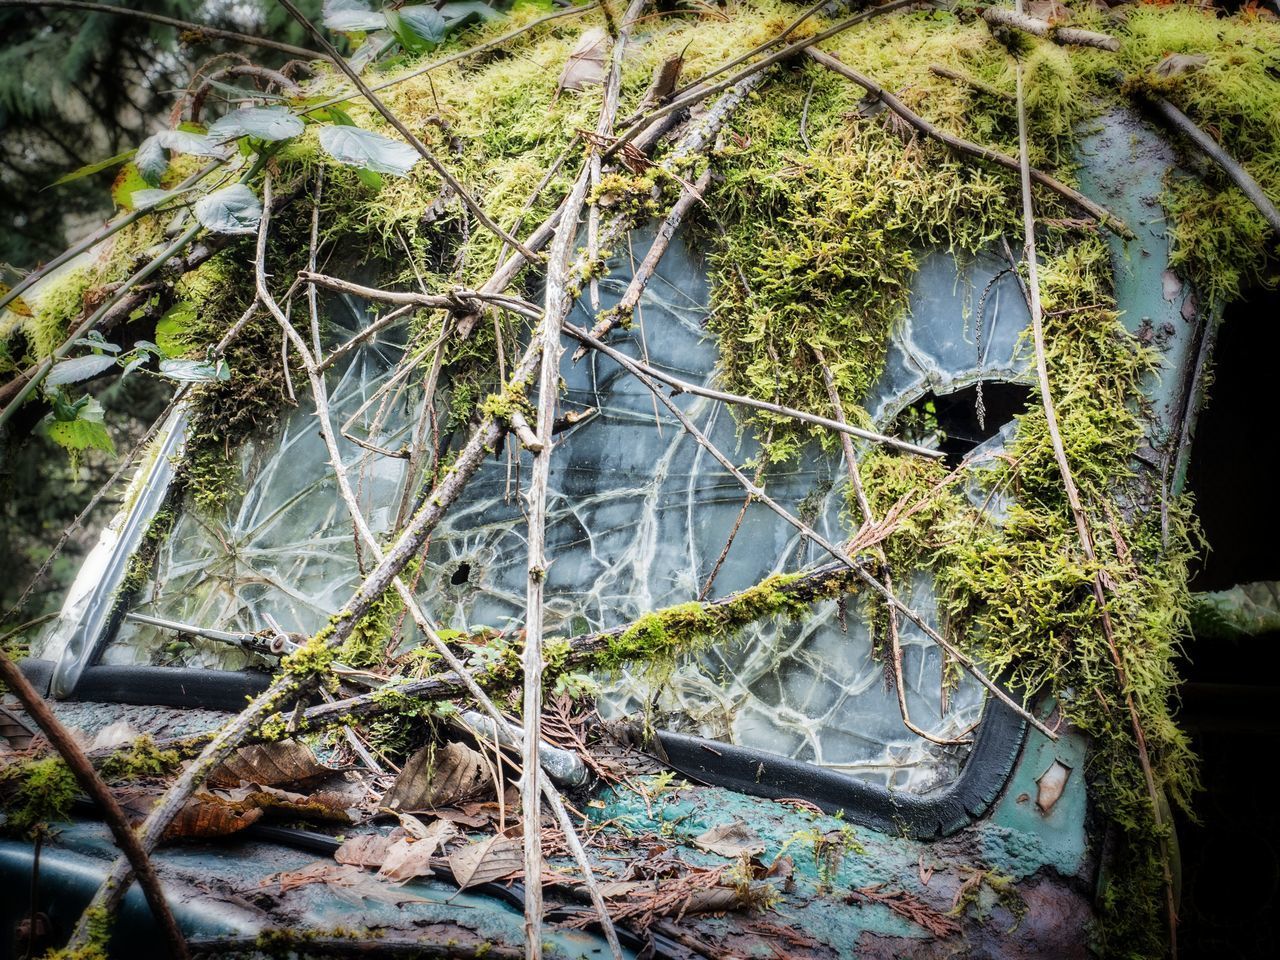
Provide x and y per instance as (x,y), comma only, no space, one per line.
(438,776)
(367,850)
(208,815)
(730,840)
(349,883)
(457,816)
(1177,64)
(407,859)
(496,858)
(270,764)
(585,66)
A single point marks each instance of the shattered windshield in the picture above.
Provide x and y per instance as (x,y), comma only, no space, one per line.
(641,518)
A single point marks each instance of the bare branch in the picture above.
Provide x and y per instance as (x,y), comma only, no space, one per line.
(1058,33)
(1229,165)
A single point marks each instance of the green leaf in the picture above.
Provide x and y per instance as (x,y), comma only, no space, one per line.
(64,409)
(354,147)
(460,10)
(234,209)
(418,27)
(90,169)
(128,182)
(261,123)
(151,161)
(195,371)
(173,330)
(79,435)
(79,368)
(370,179)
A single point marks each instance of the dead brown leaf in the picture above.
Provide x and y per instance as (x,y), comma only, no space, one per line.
(730,840)
(407,858)
(438,776)
(347,882)
(585,66)
(208,815)
(367,850)
(496,858)
(270,764)
(463,819)
(14,730)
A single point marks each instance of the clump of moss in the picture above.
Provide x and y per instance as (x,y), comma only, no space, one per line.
(98,923)
(37,792)
(1221,242)
(142,758)
(658,636)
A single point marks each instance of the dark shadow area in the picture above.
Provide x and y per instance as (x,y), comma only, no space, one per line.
(1231,859)
(957,422)
(1231,472)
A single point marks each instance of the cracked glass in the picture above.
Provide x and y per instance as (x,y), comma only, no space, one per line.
(639,516)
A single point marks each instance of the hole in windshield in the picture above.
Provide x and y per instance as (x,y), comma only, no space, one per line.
(958,422)
(461,575)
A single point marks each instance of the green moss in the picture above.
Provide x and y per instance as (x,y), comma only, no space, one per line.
(658,636)
(140,759)
(61,301)
(37,793)
(1221,242)
(98,924)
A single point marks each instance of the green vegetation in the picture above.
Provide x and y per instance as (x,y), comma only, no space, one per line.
(37,793)
(820,208)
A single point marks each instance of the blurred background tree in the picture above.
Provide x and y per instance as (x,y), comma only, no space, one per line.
(76,87)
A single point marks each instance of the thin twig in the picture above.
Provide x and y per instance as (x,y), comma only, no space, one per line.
(939,70)
(1229,165)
